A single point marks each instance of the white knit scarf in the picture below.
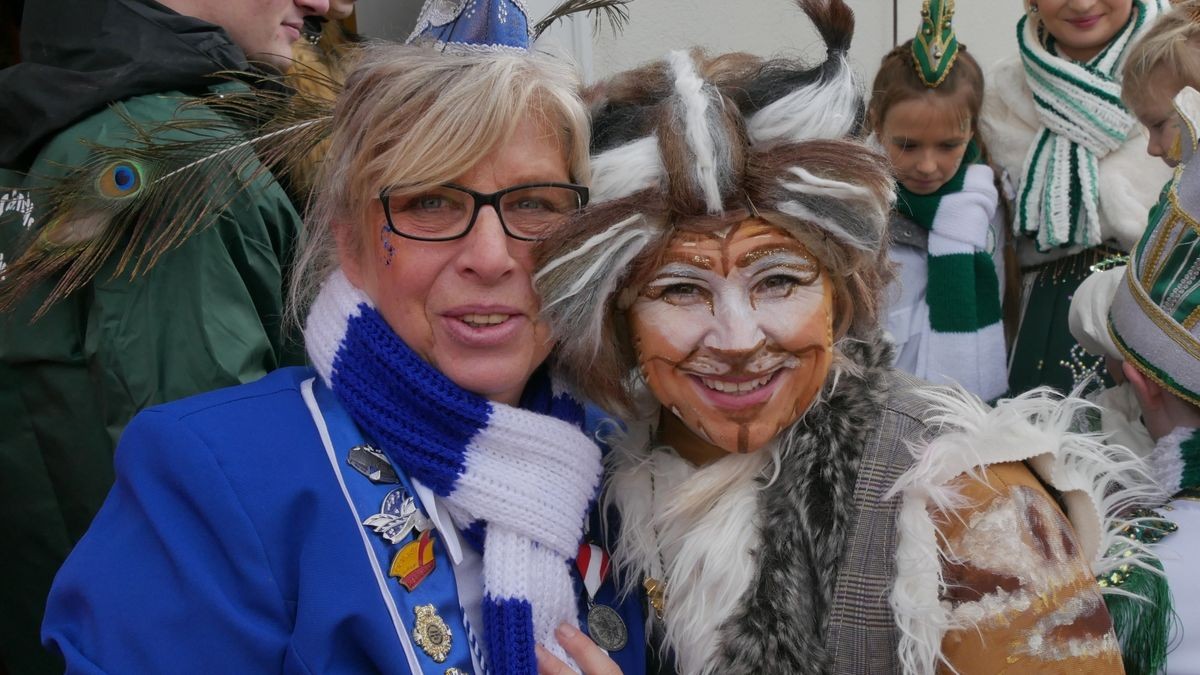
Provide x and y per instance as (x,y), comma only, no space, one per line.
(966,336)
(1083,120)
(528,478)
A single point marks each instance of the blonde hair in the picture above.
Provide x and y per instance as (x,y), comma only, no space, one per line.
(1173,43)
(413,117)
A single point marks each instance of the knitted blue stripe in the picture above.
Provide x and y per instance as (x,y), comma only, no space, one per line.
(475,533)
(421,419)
(539,397)
(509,623)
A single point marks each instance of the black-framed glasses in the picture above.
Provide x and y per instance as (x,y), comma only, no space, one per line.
(527,212)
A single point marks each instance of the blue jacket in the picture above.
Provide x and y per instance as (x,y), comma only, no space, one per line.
(227,545)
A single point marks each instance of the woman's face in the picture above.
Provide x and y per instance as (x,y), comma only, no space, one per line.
(1083,28)
(925,138)
(734,335)
(1155,109)
(467,306)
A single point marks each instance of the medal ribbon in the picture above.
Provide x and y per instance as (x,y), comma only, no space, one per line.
(592,563)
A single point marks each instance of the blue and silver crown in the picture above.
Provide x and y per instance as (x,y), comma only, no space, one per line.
(478,25)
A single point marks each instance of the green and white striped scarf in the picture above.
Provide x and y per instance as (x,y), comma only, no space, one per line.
(966,339)
(1083,120)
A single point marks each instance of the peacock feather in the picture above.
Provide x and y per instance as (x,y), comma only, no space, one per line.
(167,181)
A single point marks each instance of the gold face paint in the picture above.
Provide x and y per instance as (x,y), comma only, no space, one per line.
(734,335)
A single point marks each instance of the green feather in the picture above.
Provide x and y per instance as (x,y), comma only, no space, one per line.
(167,182)
(936,46)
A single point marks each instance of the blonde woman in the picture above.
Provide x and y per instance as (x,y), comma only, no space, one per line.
(416,500)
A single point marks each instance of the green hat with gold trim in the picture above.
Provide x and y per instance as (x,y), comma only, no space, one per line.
(1155,315)
(936,46)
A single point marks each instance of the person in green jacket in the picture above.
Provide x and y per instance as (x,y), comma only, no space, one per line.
(206,313)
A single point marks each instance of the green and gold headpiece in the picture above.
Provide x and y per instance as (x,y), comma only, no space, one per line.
(1155,315)
(936,46)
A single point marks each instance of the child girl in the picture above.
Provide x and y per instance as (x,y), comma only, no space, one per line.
(1161,63)
(944,308)
(1073,155)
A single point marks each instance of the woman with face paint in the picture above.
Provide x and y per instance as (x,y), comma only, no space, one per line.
(788,501)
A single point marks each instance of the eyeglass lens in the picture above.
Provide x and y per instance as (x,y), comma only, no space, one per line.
(528,212)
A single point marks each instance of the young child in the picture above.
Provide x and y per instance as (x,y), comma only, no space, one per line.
(1165,60)
(944,308)
(1143,318)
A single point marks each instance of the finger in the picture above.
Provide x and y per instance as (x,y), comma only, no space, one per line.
(591,659)
(549,664)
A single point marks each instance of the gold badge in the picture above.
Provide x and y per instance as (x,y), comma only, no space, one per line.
(431,634)
(454,671)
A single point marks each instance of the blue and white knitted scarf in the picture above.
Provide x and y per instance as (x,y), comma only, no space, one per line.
(518,481)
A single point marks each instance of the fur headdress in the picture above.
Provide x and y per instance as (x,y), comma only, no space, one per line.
(698,143)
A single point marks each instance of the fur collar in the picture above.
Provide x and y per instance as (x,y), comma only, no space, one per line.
(709,525)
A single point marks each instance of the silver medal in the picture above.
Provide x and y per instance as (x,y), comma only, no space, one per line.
(606,628)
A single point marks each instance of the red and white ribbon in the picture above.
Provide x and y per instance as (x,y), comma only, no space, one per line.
(593,567)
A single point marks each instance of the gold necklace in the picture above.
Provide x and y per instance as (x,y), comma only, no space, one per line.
(656,589)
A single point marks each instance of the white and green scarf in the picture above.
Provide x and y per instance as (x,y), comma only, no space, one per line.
(966,338)
(1083,120)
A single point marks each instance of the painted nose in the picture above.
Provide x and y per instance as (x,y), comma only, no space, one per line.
(737,329)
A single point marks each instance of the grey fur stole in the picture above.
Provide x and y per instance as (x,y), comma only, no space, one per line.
(782,623)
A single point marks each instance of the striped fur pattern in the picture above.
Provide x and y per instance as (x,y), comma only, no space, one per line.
(703,112)
(833,195)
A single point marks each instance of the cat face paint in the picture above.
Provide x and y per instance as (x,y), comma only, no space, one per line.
(734,333)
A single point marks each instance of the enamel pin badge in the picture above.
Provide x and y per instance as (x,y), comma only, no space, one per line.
(414,562)
(431,633)
(398,515)
(397,518)
(373,464)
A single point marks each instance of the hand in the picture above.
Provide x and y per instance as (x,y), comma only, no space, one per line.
(591,659)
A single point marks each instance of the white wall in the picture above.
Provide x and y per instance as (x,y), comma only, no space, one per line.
(777,27)
(764,27)
(391,19)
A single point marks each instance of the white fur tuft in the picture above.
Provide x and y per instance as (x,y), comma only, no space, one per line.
(812,184)
(580,301)
(827,108)
(626,169)
(703,137)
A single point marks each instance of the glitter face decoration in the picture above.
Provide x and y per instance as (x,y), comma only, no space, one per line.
(734,333)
